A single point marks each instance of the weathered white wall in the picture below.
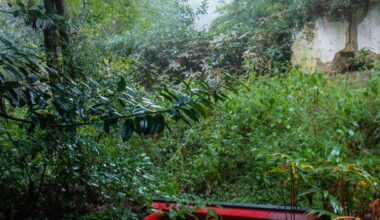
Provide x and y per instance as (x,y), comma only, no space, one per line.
(369,30)
(304,52)
(319,44)
(330,38)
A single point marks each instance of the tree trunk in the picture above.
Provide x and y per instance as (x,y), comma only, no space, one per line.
(55,36)
(50,37)
(63,29)
(352,36)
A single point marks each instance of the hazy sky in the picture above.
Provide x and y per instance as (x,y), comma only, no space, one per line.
(205,20)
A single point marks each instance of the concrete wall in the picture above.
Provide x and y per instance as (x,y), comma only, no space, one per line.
(318,44)
(369,30)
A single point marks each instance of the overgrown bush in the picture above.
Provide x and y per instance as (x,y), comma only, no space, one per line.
(283,136)
(304,139)
(72,175)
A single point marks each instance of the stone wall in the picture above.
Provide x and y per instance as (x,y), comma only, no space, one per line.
(317,45)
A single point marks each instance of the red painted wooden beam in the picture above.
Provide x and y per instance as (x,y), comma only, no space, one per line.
(239,212)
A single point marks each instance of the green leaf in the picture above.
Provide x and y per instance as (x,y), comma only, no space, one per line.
(335,204)
(157,124)
(200,109)
(99,126)
(143,124)
(183,117)
(9,85)
(191,113)
(212,213)
(121,84)
(127,130)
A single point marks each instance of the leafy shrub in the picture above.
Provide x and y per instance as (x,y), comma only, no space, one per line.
(304,139)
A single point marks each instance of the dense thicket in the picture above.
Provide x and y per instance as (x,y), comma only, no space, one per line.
(56,76)
(99,99)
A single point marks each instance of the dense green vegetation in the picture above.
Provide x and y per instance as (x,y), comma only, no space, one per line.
(304,128)
(105,105)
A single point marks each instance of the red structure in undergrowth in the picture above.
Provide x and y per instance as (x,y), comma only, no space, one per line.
(226,211)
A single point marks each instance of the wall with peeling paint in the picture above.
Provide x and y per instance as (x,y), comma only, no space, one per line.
(317,44)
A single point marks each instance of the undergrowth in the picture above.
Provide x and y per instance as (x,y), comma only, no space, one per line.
(303,139)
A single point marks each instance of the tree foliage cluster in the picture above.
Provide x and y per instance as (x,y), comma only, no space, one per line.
(60,101)
(247,35)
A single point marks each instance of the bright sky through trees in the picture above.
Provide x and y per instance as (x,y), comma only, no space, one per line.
(205,20)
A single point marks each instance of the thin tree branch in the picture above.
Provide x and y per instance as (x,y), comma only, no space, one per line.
(13,118)
(91,122)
